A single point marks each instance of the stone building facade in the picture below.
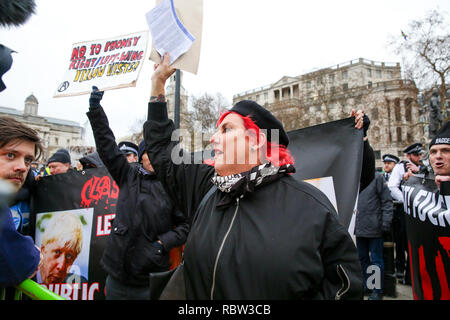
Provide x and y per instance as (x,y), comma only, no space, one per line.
(331,93)
(55,133)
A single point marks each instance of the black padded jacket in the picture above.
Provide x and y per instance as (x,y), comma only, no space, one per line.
(283,241)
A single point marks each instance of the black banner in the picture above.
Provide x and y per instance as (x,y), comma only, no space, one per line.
(331,149)
(428,232)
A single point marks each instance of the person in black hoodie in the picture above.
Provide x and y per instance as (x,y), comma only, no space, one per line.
(147,224)
(91,160)
(261,234)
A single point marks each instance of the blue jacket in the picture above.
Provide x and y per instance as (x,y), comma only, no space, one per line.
(19,258)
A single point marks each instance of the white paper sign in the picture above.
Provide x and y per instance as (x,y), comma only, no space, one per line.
(168,32)
(190,14)
(107,63)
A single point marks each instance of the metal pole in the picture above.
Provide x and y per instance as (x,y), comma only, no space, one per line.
(177,99)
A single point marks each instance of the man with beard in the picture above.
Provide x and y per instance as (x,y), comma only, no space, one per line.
(19,146)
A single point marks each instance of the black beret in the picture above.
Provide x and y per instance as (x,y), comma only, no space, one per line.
(128,147)
(414,148)
(61,155)
(442,136)
(262,118)
(390,158)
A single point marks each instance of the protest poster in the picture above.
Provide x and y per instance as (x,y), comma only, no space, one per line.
(111,63)
(76,204)
(427,219)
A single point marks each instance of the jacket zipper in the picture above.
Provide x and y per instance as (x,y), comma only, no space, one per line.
(220,250)
(345,282)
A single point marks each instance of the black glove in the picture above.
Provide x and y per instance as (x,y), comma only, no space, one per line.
(366,124)
(95,98)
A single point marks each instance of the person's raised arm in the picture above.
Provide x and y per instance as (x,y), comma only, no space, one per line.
(162,72)
(362,121)
(185,183)
(105,142)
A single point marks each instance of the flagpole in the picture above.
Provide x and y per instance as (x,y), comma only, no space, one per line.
(177,99)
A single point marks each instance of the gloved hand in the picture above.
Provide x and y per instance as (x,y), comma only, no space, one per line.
(366,124)
(95,98)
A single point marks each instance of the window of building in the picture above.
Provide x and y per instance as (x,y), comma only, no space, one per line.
(389,75)
(345,86)
(409,137)
(56,141)
(276,94)
(399,134)
(408,109)
(369,72)
(257,97)
(331,77)
(266,96)
(308,84)
(378,73)
(377,154)
(369,84)
(344,74)
(397,109)
(374,114)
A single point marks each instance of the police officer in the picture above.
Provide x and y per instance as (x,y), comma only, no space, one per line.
(130,150)
(389,161)
(401,172)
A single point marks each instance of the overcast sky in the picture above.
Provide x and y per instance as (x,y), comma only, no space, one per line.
(245,44)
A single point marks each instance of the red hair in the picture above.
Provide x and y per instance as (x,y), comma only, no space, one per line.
(277,154)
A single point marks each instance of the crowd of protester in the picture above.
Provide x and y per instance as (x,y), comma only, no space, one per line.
(197,205)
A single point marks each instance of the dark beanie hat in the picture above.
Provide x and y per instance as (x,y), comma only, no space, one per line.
(442,136)
(61,155)
(141,150)
(262,118)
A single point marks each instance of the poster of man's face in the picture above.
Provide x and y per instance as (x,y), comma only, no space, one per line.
(64,240)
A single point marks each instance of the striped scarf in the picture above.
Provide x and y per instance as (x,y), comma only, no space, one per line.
(239,185)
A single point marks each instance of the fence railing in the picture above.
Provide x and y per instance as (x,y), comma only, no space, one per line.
(33,290)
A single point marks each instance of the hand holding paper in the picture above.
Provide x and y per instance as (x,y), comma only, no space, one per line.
(162,72)
(168,33)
